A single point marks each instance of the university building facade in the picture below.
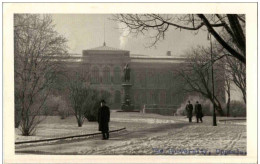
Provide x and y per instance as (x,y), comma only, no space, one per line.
(155,80)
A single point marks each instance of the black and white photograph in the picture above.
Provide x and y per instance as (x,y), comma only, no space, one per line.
(130,84)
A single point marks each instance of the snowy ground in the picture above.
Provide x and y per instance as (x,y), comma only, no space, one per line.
(53,127)
(146,134)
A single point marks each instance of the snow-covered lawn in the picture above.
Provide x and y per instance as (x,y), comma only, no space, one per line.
(146,134)
(53,126)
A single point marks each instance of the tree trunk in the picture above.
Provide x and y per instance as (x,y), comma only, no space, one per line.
(244,97)
(219,110)
(17,118)
(80,122)
(25,131)
(218,107)
(228,101)
(228,106)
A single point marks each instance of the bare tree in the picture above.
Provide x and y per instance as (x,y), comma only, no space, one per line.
(228,91)
(238,72)
(36,43)
(82,98)
(235,69)
(227,76)
(197,76)
(215,24)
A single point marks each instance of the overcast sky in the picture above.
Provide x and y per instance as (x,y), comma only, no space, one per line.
(86,31)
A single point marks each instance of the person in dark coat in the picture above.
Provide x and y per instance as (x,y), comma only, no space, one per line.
(189,109)
(198,112)
(103,119)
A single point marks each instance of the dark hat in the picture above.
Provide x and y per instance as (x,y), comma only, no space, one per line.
(103,101)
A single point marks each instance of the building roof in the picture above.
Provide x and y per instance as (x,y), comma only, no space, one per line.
(106,48)
(157,59)
(141,60)
(134,56)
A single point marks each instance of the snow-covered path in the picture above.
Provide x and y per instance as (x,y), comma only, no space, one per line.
(168,139)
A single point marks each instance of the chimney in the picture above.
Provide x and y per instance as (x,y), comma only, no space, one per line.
(169,53)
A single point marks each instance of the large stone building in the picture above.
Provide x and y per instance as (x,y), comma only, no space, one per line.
(155,80)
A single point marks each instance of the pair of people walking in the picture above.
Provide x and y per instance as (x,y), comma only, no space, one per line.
(198,111)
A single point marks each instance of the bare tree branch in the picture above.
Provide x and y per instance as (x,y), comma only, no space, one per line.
(158,24)
(197,75)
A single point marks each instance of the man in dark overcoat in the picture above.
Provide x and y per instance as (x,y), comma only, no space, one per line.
(198,112)
(103,119)
(189,109)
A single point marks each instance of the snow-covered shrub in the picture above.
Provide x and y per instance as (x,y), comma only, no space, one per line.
(51,105)
(56,105)
(237,109)
(63,109)
(92,113)
(18,111)
(82,98)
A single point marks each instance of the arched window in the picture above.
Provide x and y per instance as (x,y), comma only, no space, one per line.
(117,97)
(173,76)
(137,98)
(150,79)
(161,80)
(138,79)
(142,97)
(151,97)
(162,97)
(174,98)
(95,75)
(167,79)
(168,97)
(142,79)
(117,75)
(106,75)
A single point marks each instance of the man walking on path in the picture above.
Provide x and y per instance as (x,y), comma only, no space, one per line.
(198,112)
(103,119)
(189,109)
